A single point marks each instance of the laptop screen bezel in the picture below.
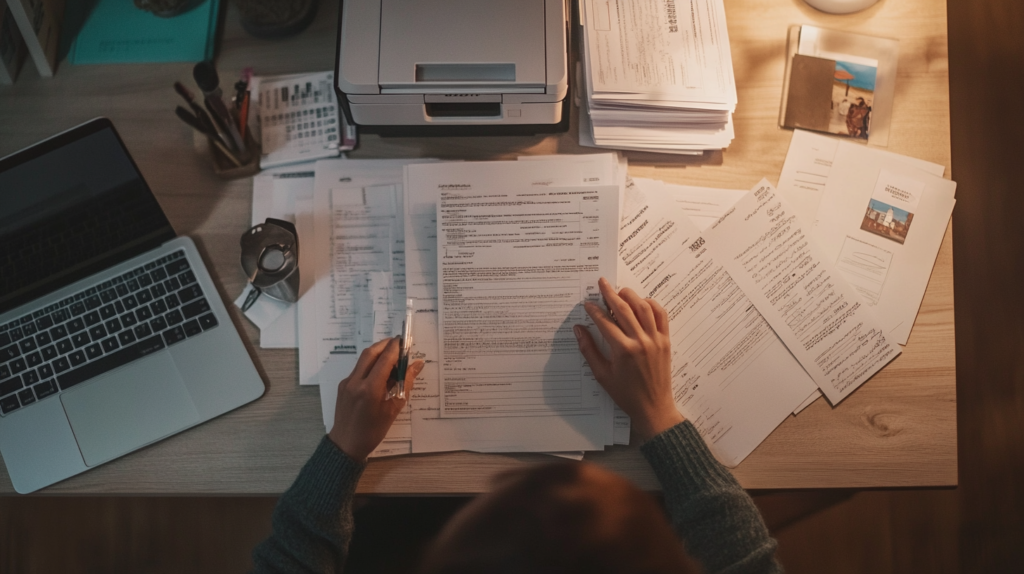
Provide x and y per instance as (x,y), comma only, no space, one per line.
(160,236)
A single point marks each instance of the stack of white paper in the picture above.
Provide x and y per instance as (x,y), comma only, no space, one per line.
(657,77)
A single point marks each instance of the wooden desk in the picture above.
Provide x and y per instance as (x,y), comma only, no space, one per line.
(898,430)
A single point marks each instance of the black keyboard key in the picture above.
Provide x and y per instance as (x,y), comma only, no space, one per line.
(97,332)
(64,346)
(195,308)
(9,352)
(187,278)
(26,396)
(112,326)
(94,350)
(172,284)
(158,274)
(174,317)
(189,293)
(43,339)
(27,344)
(142,331)
(4,372)
(128,319)
(208,321)
(9,386)
(158,307)
(80,339)
(15,333)
(92,302)
(144,297)
(5,339)
(49,352)
(110,344)
(92,318)
(174,335)
(121,289)
(119,307)
(172,301)
(62,364)
(28,329)
(145,280)
(17,366)
(192,328)
(126,337)
(60,315)
(44,323)
(130,302)
(177,266)
(59,332)
(8,404)
(30,377)
(158,324)
(158,290)
(143,314)
(77,358)
(78,308)
(45,389)
(107,311)
(45,372)
(108,296)
(121,357)
(133,285)
(75,325)
(34,359)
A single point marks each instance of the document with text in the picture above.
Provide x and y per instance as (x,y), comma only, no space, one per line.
(772,257)
(732,377)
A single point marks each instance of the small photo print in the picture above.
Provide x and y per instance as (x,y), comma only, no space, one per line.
(886,220)
(853,94)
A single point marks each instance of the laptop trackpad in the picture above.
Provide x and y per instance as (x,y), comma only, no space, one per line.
(130,407)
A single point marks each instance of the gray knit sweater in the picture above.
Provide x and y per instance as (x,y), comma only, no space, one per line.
(712,514)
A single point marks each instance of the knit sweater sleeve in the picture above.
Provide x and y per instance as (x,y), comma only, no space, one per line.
(714,516)
(312,523)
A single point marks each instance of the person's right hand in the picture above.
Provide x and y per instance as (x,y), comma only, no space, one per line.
(638,374)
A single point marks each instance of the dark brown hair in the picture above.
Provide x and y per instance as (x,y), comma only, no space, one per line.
(561,517)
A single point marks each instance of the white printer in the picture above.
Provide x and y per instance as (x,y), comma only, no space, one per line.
(454,67)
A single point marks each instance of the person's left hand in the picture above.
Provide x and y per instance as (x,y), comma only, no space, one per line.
(363,415)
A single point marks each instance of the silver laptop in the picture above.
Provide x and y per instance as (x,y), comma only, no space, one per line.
(112,335)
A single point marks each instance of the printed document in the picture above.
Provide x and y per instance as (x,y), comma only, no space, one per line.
(733,378)
(432,433)
(809,164)
(881,221)
(770,254)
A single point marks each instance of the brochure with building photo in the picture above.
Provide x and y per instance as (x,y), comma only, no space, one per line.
(882,221)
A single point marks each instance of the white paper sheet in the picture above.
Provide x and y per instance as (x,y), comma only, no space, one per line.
(881,221)
(774,260)
(432,433)
(809,164)
(733,378)
(515,264)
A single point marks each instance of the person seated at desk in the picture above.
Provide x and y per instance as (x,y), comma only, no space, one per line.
(560,517)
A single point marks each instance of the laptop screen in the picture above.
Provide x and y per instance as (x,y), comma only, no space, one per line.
(70,207)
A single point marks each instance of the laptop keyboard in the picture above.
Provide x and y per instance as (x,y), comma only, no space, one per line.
(99,329)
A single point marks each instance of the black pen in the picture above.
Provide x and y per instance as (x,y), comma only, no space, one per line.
(198,126)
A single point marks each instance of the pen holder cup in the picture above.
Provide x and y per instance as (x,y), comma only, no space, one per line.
(223,166)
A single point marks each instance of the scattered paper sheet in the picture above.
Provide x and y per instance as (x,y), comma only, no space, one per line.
(882,222)
(733,378)
(772,257)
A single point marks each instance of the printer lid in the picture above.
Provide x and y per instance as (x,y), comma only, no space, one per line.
(478,46)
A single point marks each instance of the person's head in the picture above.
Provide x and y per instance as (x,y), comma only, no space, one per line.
(561,517)
(860,102)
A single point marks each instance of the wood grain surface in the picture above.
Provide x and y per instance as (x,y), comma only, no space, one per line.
(898,430)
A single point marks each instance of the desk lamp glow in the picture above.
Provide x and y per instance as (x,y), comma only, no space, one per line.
(841,6)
